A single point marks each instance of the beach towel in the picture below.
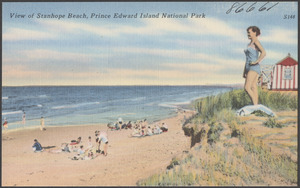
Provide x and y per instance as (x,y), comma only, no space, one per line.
(247,110)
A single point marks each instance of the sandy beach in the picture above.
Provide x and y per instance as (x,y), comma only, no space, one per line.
(129,159)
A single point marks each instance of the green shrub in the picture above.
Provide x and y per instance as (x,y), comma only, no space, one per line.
(260,113)
(173,163)
(213,134)
(272,123)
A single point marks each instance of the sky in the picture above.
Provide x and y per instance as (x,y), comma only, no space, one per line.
(204,50)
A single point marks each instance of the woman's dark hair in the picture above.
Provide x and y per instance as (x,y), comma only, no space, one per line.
(254,29)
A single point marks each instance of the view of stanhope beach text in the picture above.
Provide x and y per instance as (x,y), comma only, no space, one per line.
(149,93)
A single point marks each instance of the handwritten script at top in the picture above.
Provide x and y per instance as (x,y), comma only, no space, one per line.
(239,7)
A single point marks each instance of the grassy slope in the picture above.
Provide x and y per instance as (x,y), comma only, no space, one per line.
(230,150)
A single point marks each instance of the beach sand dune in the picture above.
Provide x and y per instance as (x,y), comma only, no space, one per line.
(129,159)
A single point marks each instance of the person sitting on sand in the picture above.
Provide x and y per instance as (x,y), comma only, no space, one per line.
(157,130)
(164,127)
(123,126)
(136,133)
(80,151)
(142,124)
(80,154)
(120,120)
(65,147)
(117,126)
(102,138)
(149,131)
(90,144)
(129,125)
(37,147)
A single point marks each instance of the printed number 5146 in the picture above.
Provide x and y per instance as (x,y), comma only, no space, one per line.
(288,16)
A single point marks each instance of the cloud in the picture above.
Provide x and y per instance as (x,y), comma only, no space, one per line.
(281,36)
(21,72)
(275,56)
(43,54)
(173,77)
(76,27)
(153,27)
(211,26)
(17,34)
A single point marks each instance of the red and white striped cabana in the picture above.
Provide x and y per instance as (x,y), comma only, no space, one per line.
(285,75)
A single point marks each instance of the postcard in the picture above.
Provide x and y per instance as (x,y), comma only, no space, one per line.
(149,93)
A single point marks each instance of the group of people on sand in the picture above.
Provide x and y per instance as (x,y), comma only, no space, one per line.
(148,130)
(119,125)
(140,127)
(87,151)
(91,150)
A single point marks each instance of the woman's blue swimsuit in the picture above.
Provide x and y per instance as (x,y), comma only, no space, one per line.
(251,56)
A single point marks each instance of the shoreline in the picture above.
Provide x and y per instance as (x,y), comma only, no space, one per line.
(181,107)
(128,160)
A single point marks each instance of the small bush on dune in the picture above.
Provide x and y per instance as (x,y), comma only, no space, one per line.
(213,134)
(272,123)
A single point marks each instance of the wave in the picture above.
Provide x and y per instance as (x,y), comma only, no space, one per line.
(9,113)
(124,100)
(167,105)
(4,98)
(74,105)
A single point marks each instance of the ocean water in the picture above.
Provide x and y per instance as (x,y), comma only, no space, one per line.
(77,105)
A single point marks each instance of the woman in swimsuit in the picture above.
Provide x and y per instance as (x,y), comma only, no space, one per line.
(254,55)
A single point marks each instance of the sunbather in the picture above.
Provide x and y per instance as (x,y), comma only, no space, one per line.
(37,147)
(164,127)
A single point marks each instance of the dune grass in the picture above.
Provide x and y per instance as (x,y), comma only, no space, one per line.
(250,162)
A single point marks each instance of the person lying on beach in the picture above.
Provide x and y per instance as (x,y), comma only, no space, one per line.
(37,147)
(112,126)
(74,144)
(64,148)
(115,126)
(102,137)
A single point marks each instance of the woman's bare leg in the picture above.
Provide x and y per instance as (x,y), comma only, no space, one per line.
(255,90)
(251,87)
